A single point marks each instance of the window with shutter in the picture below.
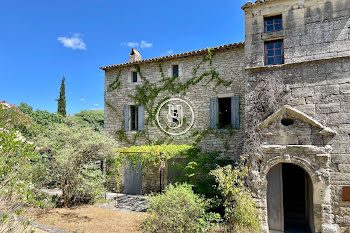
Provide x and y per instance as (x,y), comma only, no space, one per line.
(126,117)
(224,112)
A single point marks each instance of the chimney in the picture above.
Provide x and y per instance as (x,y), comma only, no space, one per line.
(134,55)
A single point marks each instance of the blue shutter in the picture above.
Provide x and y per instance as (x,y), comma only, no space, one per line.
(141,117)
(235,112)
(214,113)
(126,117)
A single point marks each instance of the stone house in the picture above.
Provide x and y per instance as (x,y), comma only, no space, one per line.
(301,178)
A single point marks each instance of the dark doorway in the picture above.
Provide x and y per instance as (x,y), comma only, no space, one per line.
(289,199)
(294,198)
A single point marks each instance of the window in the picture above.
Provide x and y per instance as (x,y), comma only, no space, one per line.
(273,23)
(133,118)
(134,77)
(274,52)
(224,112)
(175,70)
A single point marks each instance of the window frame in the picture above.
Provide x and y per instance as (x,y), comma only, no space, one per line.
(132,77)
(133,110)
(178,70)
(273,18)
(274,49)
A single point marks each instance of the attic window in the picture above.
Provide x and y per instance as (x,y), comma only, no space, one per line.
(287,121)
(134,77)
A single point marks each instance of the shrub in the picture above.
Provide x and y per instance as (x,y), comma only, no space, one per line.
(196,168)
(74,156)
(241,213)
(177,210)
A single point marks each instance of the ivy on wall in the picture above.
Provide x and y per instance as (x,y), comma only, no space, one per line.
(149,92)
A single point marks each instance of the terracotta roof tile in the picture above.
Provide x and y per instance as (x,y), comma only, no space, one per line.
(257,2)
(173,56)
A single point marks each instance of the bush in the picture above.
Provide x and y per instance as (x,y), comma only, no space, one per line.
(177,210)
(73,156)
(241,213)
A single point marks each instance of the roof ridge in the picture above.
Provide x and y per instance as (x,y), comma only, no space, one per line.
(173,56)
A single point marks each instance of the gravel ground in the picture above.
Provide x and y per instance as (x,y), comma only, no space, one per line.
(127,203)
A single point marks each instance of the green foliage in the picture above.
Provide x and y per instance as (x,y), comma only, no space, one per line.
(61,105)
(197,171)
(85,118)
(154,153)
(177,210)
(72,155)
(241,212)
(16,153)
(150,154)
(149,95)
(40,120)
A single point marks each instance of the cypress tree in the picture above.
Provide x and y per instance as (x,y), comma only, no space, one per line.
(61,105)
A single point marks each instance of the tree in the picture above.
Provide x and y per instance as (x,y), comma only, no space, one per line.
(73,159)
(61,106)
(87,118)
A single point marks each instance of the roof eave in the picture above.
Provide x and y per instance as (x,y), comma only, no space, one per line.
(174,56)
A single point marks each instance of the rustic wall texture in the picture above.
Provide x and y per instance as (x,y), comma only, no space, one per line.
(316,71)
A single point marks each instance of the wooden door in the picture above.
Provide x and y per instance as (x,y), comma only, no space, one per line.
(275,199)
(133,179)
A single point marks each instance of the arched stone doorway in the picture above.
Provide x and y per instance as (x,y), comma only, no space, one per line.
(289,199)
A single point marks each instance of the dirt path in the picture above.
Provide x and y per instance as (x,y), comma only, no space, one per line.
(89,219)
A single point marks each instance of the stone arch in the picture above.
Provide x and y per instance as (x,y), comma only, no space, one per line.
(303,163)
(314,178)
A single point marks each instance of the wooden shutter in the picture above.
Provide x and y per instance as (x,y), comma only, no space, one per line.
(214,113)
(141,117)
(235,112)
(126,117)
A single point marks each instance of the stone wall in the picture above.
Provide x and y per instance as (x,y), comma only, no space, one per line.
(321,90)
(317,75)
(230,66)
(312,30)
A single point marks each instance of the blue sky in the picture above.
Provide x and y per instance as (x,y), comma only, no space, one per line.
(43,40)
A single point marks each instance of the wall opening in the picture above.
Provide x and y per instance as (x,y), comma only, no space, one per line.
(289,199)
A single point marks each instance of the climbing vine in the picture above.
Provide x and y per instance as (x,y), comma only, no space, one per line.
(149,92)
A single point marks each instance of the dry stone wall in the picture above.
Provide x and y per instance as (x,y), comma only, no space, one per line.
(230,67)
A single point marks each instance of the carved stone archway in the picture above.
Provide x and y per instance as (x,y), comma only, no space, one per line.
(303,142)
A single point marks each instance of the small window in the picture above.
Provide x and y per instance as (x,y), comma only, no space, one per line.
(224,112)
(175,70)
(273,24)
(133,118)
(274,52)
(134,77)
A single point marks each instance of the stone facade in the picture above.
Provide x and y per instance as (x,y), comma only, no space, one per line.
(316,72)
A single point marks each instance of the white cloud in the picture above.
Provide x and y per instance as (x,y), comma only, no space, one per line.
(170,51)
(82,99)
(130,44)
(74,42)
(144,44)
(96,105)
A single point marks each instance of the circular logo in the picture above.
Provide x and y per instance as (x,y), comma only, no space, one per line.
(175,116)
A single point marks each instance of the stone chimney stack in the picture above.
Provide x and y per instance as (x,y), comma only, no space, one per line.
(134,55)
